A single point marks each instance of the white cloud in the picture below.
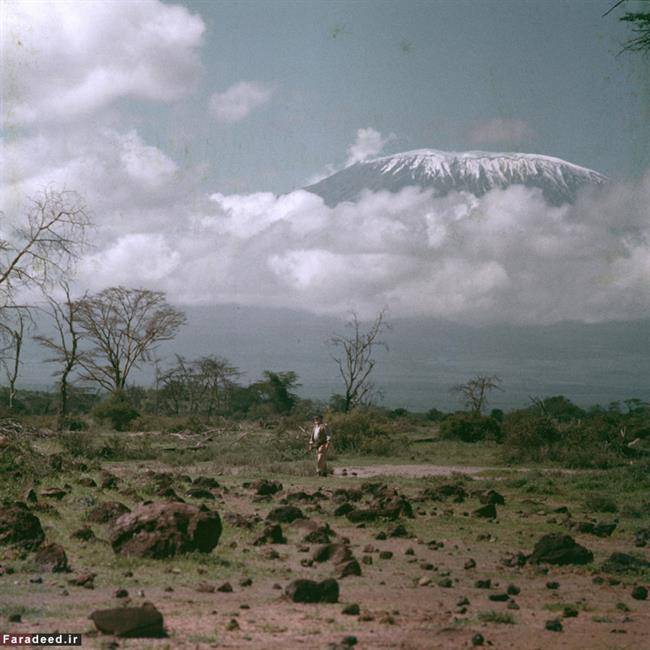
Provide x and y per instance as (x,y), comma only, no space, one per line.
(369,142)
(66,59)
(500,131)
(238,101)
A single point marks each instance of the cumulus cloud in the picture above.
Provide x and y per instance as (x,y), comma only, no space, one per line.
(239,101)
(63,60)
(500,131)
(505,257)
(369,142)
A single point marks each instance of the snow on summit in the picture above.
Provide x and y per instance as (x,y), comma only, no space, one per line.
(476,172)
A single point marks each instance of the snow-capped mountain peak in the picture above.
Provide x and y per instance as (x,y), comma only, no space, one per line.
(476,172)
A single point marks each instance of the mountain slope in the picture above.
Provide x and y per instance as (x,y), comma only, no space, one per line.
(476,172)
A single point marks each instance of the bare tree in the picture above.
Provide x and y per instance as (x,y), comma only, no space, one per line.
(41,247)
(203,385)
(476,391)
(354,358)
(12,330)
(64,345)
(123,326)
(640,22)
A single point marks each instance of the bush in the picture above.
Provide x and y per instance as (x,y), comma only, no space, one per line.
(528,437)
(363,431)
(470,427)
(117,409)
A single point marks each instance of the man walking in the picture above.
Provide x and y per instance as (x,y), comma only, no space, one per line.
(321,436)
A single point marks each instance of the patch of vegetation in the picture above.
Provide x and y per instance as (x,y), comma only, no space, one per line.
(470,427)
(503,618)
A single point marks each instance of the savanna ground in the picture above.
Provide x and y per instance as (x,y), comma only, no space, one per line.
(415,599)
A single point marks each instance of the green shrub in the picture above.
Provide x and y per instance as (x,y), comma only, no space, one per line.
(117,409)
(470,427)
(528,437)
(600,503)
(364,431)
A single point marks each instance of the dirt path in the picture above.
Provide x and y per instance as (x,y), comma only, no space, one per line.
(410,471)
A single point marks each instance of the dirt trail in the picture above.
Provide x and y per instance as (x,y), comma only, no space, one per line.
(410,471)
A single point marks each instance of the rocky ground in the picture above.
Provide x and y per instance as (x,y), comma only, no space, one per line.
(192,557)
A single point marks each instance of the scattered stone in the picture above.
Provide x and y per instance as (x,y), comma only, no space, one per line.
(385,555)
(15,618)
(320,535)
(18,526)
(270,554)
(121,593)
(30,496)
(366,559)
(409,551)
(53,493)
(351,610)
(85,534)
(556,548)
(478,639)
(512,605)
(343,509)
(381,536)
(553,585)
(161,530)
(309,591)
(642,537)
(446,583)
(245,582)
(598,580)
(205,588)
(37,580)
(424,581)
(470,564)
(387,619)
(366,617)
(337,553)
(600,529)
(513,590)
(285,514)
(241,521)
(399,531)
(499,598)
(349,568)
(492,497)
(624,563)
(272,534)
(86,580)
(232,625)
(87,481)
(569,612)
(487,512)
(108,481)
(639,593)
(225,588)
(443,492)
(200,493)
(483,584)
(51,557)
(107,512)
(554,625)
(514,559)
(145,621)
(264,487)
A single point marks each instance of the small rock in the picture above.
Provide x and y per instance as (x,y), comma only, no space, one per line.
(145,621)
(552,585)
(499,598)
(385,555)
(232,625)
(225,588)
(513,590)
(554,625)
(470,564)
(639,593)
(309,591)
(569,612)
(121,593)
(351,610)
(478,639)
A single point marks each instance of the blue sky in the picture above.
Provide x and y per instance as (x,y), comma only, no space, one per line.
(429,72)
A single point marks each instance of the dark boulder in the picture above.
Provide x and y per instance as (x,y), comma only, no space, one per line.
(272,534)
(492,497)
(205,482)
(309,591)
(285,514)
(160,530)
(107,512)
(624,563)
(349,568)
(343,509)
(264,487)
(145,621)
(18,526)
(488,511)
(336,553)
(52,557)
(200,493)
(556,548)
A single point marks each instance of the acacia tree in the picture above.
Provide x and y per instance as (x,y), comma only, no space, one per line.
(12,331)
(124,327)
(476,391)
(355,360)
(640,22)
(42,246)
(64,344)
